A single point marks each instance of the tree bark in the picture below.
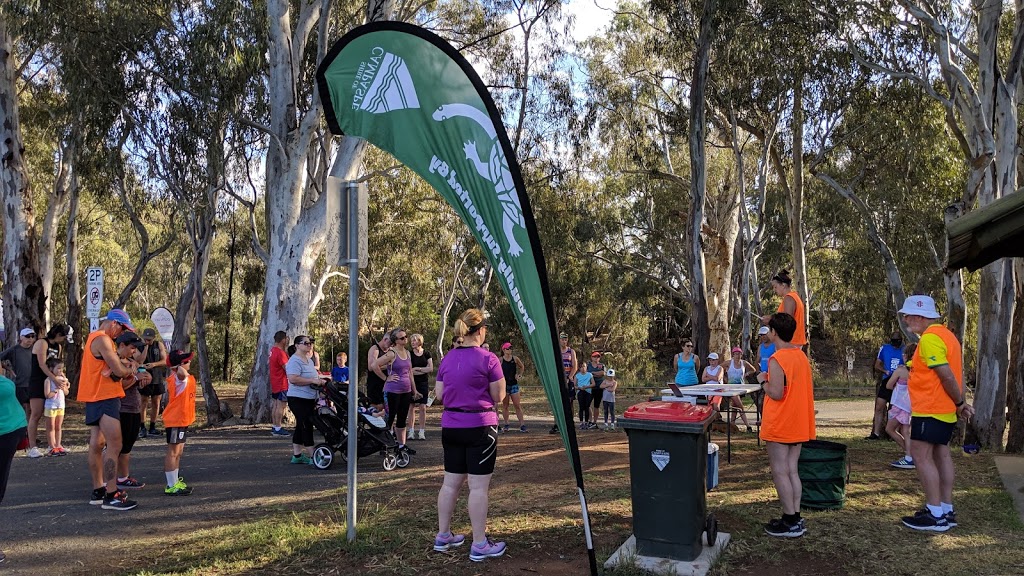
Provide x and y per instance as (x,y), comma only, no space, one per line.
(24,299)
(1015,378)
(698,180)
(55,209)
(795,205)
(953,280)
(73,350)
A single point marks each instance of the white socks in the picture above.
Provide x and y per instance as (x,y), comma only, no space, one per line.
(172,477)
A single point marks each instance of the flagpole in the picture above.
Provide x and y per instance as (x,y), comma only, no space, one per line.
(352,193)
(577,468)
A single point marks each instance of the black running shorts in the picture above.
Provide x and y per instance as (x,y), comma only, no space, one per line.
(883,392)
(470,450)
(177,435)
(931,430)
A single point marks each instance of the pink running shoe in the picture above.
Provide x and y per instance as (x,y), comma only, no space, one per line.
(443,542)
(489,549)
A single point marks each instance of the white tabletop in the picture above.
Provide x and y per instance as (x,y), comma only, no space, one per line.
(712,390)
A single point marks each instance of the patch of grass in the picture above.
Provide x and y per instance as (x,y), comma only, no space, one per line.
(534,507)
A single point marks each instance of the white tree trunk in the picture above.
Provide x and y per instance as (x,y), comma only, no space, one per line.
(23,295)
(795,207)
(55,209)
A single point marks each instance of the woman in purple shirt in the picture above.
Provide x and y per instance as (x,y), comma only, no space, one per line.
(470,384)
(398,389)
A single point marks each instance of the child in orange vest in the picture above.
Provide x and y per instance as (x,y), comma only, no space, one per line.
(178,415)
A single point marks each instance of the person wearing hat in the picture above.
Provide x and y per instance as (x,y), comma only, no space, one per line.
(155,361)
(131,410)
(608,387)
(512,368)
(178,415)
(765,348)
(19,367)
(596,368)
(569,368)
(102,377)
(736,372)
(937,401)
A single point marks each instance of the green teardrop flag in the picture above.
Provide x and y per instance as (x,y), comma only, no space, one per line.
(410,93)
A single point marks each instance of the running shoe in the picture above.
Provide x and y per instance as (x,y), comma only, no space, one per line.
(142,432)
(301,459)
(873,436)
(179,489)
(53,452)
(951,519)
(118,501)
(152,431)
(97,496)
(444,543)
(423,434)
(279,432)
(924,521)
(903,464)
(130,482)
(776,527)
(522,428)
(554,429)
(406,449)
(34,452)
(489,549)
(505,429)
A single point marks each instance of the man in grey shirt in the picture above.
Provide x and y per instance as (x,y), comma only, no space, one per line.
(21,359)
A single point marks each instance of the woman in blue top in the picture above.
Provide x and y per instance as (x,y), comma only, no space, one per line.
(765,349)
(13,429)
(687,365)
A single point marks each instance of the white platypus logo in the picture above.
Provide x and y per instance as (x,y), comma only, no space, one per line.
(494,168)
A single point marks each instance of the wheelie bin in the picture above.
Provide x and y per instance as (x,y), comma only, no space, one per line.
(668,453)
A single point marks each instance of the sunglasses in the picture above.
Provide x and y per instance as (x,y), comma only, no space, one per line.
(306,343)
(688,346)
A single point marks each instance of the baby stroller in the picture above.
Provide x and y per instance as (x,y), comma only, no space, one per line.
(372,433)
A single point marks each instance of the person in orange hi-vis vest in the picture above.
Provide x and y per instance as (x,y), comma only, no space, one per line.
(107,369)
(787,421)
(791,304)
(937,401)
(178,415)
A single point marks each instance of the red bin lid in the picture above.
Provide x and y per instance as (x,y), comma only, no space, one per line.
(668,412)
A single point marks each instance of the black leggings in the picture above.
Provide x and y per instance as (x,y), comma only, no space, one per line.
(398,406)
(303,409)
(585,398)
(8,446)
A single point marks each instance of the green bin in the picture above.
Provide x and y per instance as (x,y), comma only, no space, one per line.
(668,451)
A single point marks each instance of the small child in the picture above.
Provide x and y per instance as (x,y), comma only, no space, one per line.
(53,408)
(584,388)
(178,415)
(898,426)
(608,399)
(339,373)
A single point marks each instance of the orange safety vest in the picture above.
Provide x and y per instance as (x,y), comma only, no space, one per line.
(93,386)
(180,411)
(800,334)
(927,395)
(790,420)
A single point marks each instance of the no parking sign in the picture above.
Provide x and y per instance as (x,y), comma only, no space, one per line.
(93,295)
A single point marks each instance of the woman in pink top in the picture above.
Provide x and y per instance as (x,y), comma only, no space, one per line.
(398,389)
(470,384)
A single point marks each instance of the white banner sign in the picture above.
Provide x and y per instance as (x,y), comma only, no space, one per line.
(164,322)
(93,291)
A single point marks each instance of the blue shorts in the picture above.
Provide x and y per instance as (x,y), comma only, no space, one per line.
(282,396)
(94,411)
(513,389)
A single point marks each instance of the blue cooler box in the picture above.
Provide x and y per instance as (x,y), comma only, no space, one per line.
(712,466)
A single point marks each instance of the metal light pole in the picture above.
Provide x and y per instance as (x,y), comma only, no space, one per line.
(352,194)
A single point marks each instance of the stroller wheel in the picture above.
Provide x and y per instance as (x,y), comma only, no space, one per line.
(323,456)
(403,459)
(390,461)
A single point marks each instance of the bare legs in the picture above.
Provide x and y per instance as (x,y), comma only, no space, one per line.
(54,426)
(35,413)
(935,470)
(277,415)
(518,407)
(103,466)
(878,422)
(783,459)
(477,504)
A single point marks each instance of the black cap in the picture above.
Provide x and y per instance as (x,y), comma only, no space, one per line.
(177,357)
(149,333)
(130,339)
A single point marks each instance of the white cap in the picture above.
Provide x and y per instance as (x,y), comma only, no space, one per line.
(764,330)
(923,306)
(27,331)
(713,356)
(610,372)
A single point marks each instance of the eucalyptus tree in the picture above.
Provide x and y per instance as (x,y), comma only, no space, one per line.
(958,54)
(23,296)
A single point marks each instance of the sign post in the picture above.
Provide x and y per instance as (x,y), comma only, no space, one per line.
(351,225)
(93,295)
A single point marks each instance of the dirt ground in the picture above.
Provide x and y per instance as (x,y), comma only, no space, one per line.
(241,473)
